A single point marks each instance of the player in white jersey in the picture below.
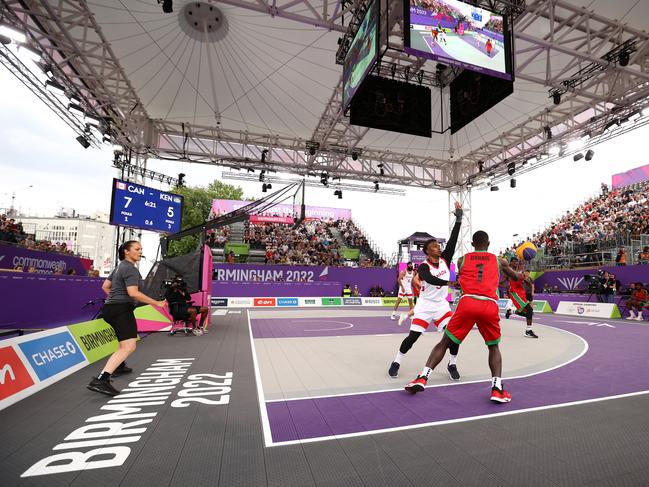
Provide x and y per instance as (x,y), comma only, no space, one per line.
(432,306)
(405,288)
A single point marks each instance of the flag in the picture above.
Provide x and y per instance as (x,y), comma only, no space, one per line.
(324,274)
(121,185)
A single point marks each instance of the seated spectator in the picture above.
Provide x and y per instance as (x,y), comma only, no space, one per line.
(643,257)
(356,292)
(620,259)
(71,272)
(639,299)
(230,257)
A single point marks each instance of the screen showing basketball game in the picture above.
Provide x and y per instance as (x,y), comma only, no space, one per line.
(362,53)
(454,32)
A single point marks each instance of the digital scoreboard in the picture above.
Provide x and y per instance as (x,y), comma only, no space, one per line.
(137,206)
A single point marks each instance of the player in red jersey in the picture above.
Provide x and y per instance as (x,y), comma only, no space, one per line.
(478,278)
(521,293)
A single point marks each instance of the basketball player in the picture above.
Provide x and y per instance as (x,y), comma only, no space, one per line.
(489,47)
(432,306)
(405,288)
(478,278)
(521,294)
(416,288)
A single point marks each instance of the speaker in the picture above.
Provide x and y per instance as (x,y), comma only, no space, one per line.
(472,94)
(396,106)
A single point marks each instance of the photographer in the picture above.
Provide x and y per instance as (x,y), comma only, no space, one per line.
(122,287)
(608,288)
(180,304)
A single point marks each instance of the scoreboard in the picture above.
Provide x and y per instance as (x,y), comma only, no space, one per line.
(137,206)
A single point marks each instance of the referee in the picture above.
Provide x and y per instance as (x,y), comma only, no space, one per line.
(123,289)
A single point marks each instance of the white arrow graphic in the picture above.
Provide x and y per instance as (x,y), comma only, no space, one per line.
(588,323)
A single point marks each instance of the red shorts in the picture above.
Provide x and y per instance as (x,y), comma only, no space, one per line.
(519,301)
(470,311)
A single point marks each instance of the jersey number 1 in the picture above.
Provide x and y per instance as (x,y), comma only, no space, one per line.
(480,271)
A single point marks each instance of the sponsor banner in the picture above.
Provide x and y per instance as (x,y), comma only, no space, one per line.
(332,301)
(50,355)
(352,301)
(590,310)
(372,301)
(219,301)
(574,280)
(240,302)
(221,207)
(43,262)
(13,374)
(287,302)
(96,339)
(264,302)
(271,219)
(541,306)
(503,303)
(310,301)
(391,301)
(637,175)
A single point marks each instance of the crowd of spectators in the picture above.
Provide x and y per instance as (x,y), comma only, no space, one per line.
(494,25)
(309,243)
(218,236)
(12,232)
(600,223)
(441,7)
(377,292)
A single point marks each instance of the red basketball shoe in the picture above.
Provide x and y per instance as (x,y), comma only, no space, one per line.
(416,385)
(500,395)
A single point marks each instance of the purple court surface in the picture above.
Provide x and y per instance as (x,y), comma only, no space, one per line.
(597,374)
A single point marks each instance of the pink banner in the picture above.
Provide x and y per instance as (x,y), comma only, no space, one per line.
(270,219)
(637,175)
(221,207)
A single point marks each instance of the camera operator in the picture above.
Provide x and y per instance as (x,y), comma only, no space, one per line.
(608,288)
(122,287)
(180,304)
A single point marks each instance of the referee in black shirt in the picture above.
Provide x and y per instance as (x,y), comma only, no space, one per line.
(123,289)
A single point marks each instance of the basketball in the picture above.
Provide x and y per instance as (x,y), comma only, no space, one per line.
(526,251)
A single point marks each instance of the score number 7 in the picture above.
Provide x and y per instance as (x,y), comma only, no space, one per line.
(128,201)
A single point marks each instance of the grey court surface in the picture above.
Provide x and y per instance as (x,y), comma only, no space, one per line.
(211,426)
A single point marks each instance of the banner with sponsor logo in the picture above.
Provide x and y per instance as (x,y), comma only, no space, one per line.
(43,262)
(352,301)
(309,301)
(244,280)
(332,301)
(588,310)
(219,301)
(271,219)
(541,306)
(240,302)
(392,301)
(287,302)
(96,339)
(637,175)
(13,374)
(221,207)
(372,301)
(503,303)
(264,302)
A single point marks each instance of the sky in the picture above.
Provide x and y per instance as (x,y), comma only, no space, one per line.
(47,169)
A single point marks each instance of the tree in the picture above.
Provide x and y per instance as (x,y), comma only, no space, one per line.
(196,210)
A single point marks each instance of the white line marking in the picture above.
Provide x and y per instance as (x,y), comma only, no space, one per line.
(325,321)
(268,439)
(459,420)
(451,383)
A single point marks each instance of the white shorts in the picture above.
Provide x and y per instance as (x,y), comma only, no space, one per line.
(437,313)
(406,293)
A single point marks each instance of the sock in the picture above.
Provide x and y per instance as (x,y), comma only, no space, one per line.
(399,357)
(452,359)
(426,372)
(123,364)
(496,382)
(528,327)
(104,376)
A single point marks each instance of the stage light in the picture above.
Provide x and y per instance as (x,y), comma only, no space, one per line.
(181,180)
(511,168)
(381,169)
(611,124)
(577,157)
(589,154)
(264,188)
(269,186)
(4,40)
(469,184)
(262,176)
(12,33)
(494,188)
(548,132)
(29,53)
(324,178)
(263,155)
(376,186)
(83,141)
(167,6)
(512,183)
(624,58)
(354,156)
(339,193)
(106,138)
(93,120)
(480,166)
(55,88)
(556,98)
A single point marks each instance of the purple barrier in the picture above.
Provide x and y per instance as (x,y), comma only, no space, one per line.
(248,280)
(637,175)
(44,262)
(41,301)
(554,300)
(574,279)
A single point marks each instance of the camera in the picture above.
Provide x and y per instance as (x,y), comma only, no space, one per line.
(176,283)
(595,282)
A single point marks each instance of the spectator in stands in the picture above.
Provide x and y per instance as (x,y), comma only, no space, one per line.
(555,289)
(546,288)
(71,272)
(356,292)
(620,259)
(643,257)
(638,300)
(31,269)
(58,271)
(230,257)
(18,268)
